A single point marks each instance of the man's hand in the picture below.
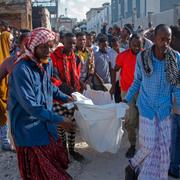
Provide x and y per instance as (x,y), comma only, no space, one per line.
(83,86)
(112,90)
(87,82)
(70,99)
(124,101)
(68,125)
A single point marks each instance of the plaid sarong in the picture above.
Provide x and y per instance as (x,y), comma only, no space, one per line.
(153,158)
(43,162)
(61,132)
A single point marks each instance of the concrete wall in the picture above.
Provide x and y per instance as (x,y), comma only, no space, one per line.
(66,24)
(176,13)
(165,17)
(152,6)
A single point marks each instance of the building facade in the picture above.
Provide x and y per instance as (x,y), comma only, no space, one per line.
(92,17)
(81,26)
(122,9)
(66,24)
(115,10)
(168,4)
(97,17)
(140,12)
(17,13)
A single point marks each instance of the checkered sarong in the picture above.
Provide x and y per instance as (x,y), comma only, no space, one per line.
(61,132)
(153,157)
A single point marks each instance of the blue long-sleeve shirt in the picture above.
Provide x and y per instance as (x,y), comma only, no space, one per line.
(30,104)
(155,92)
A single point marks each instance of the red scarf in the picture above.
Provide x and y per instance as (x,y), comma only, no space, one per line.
(71,78)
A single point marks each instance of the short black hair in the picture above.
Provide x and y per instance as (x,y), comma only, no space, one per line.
(88,34)
(114,39)
(93,32)
(69,35)
(61,34)
(115,26)
(25,31)
(21,37)
(160,27)
(135,36)
(80,34)
(129,28)
(102,38)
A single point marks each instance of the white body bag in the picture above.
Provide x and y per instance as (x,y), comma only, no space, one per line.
(100,125)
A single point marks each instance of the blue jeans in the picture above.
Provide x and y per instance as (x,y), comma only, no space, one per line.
(175,145)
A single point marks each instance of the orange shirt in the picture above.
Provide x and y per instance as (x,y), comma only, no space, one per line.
(127,62)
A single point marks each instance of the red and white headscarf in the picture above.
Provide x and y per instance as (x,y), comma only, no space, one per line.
(37,37)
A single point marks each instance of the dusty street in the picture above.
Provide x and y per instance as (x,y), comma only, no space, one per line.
(98,166)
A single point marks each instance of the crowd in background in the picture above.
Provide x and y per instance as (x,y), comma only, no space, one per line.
(40,69)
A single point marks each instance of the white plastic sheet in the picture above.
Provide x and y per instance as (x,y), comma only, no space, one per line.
(100,125)
(99,97)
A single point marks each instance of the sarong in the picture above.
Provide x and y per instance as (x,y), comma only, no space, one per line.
(153,157)
(61,132)
(46,162)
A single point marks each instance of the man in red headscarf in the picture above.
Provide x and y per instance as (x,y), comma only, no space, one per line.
(40,152)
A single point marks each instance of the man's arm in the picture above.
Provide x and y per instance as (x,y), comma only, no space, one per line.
(59,95)
(116,68)
(4,67)
(176,89)
(113,77)
(176,94)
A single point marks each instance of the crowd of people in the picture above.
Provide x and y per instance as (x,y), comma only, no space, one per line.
(40,69)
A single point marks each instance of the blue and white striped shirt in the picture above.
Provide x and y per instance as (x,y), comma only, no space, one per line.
(155,92)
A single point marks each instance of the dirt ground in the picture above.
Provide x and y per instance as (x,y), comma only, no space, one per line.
(97,166)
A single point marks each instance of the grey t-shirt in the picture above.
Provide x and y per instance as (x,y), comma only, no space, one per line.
(102,66)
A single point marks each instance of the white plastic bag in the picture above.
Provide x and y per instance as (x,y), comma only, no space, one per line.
(100,125)
(99,97)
